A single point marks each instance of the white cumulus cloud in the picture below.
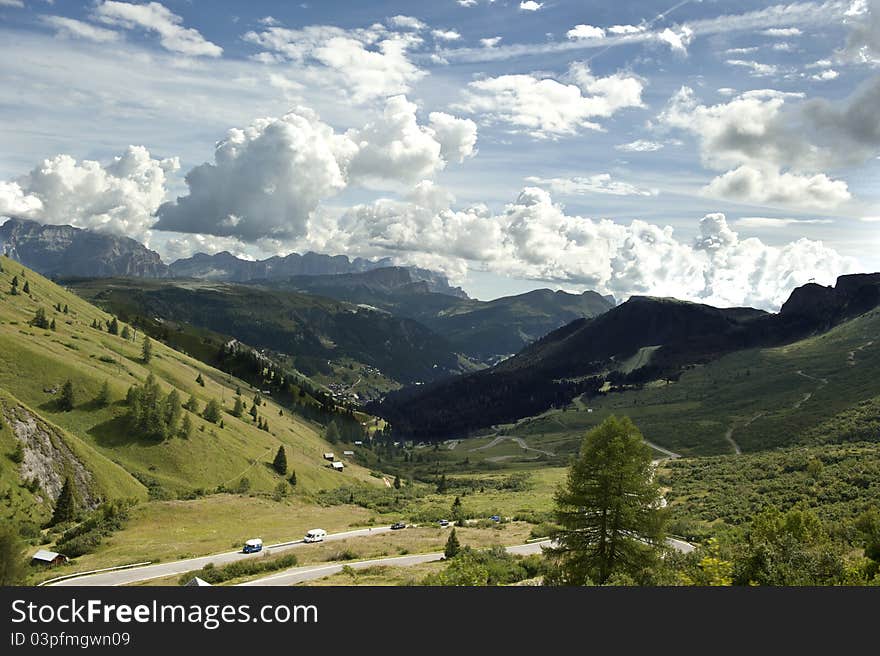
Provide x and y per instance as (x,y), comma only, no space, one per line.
(544,107)
(769,186)
(267,180)
(535,238)
(119,197)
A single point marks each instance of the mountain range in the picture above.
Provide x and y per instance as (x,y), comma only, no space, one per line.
(63,251)
(483,331)
(642,340)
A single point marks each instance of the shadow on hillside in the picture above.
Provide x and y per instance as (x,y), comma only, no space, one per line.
(116,432)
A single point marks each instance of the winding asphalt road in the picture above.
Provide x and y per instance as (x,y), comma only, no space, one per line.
(160,570)
(309,573)
(296,574)
(312,572)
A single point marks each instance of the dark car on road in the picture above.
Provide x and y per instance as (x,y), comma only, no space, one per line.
(397,525)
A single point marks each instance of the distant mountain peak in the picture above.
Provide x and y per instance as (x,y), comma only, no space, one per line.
(63,250)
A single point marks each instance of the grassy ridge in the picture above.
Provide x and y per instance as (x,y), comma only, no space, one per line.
(34,362)
(759,393)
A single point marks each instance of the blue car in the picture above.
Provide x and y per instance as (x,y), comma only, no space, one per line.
(252,546)
(495,518)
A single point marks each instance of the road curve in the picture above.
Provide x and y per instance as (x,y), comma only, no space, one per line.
(312,572)
(160,570)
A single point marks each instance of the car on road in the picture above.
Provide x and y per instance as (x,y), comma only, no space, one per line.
(397,525)
(443,522)
(315,535)
(495,518)
(252,546)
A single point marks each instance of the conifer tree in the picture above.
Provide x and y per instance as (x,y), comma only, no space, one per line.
(200,380)
(238,410)
(292,478)
(66,401)
(14,286)
(52,325)
(126,333)
(452,546)
(27,287)
(280,462)
(397,482)
(13,566)
(212,411)
(608,508)
(40,320)
(66,309)
(192,404)
(173,412)
(65,506)
(147,352)
(113,326)
(103,398)
(185,427)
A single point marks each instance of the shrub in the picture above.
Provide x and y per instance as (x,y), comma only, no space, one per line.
(246,567)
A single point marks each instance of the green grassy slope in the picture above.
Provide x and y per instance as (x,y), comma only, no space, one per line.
(35,362)
(837,481)
(766,397)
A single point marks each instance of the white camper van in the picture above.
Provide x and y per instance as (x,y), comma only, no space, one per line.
(315,535)
(252,546)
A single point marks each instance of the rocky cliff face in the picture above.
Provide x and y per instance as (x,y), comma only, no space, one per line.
(65,251)
(851,295)
(47,459)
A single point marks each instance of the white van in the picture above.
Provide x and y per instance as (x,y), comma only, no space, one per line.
(315,535)
(253,545)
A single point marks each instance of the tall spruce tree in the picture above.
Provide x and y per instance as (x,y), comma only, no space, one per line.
(608,508)
(65,506)
(13,566)
(212,411)
(185,427)
(67,399)
(147,351)
(280,462)
(452,545)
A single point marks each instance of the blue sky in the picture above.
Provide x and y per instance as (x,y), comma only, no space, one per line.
(716,151)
